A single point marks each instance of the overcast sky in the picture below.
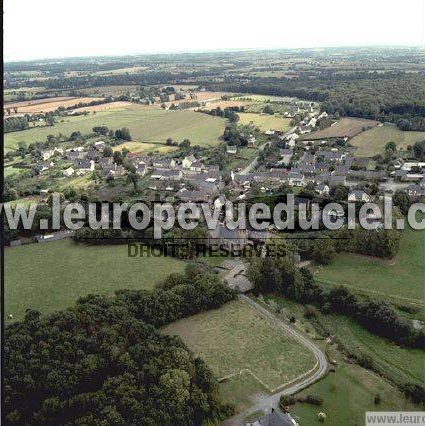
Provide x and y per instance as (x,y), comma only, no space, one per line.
(52,28)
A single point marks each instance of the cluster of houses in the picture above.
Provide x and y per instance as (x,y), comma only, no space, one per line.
(202,182)
(412,172)
(80,160)
(325,169)
(191,179)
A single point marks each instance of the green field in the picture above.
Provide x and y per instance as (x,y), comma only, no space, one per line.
(350,391)
(145,124)
(347,395)
(265,122)
(10,170)
(236,337)
(399,364)
(51,276)
(401,278)
(373,141)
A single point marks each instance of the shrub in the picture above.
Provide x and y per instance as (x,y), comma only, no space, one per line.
(314,399)
(286,400)
(310,312)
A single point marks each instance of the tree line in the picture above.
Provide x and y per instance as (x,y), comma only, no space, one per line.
(281,275)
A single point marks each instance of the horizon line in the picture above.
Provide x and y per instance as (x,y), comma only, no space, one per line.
(219,50)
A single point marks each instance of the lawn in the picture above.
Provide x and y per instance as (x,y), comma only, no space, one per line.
(145,124)
(401,278)
(265,122)
(236,337)
(51,276)
(345,127)
(373,141)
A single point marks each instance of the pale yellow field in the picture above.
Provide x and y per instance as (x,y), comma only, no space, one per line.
(134,146)
(205,96)
(47,105)
(265,122)
(114,106)
(126,70)
(227,104)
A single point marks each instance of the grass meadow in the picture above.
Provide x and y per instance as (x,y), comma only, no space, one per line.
(345,127)
(372,142)
(400,364)
(237,337)
(51,276)
(401,278)
(347,394)
(351,386)
(146,125)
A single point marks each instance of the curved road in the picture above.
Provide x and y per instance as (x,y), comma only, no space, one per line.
(272,401)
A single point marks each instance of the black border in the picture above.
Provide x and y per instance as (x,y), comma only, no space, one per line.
(2,229)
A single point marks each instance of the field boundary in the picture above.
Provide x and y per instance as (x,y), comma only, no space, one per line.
(416,302)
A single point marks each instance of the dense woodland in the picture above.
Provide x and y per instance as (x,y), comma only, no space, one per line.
(103,361)
(394,97)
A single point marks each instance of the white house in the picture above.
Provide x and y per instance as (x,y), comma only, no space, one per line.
(358,195)
(187,161)
(45,155)
(99,145)
(69,172)
(219,202)
(322,189)
(43,166)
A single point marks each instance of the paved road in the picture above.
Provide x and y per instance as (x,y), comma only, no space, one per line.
(272,401)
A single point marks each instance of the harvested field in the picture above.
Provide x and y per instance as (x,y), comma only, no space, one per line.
(140,147)
(346,127)
(112,106)
(227,104)
(118,71)
(104,91)
(37,101)
(47,105)
(265,122)
(210,96)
